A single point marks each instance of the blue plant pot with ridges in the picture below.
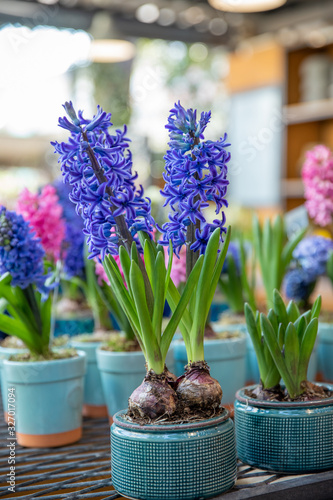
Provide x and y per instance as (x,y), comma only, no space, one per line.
(48,400)
(285,437)
(93,400)
(173,462)
(6,353)
(226,360)
(121,373)
(325,350)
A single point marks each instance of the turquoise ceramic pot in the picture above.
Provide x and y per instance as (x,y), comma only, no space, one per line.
(93,399)
(294,437)
(325,351)
(48,400)
(173,462)
(73,326)
(5,353)
(226,359)
(121,373)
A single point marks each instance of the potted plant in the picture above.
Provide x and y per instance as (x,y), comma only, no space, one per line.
(48,384)
(115,212)
(285,427)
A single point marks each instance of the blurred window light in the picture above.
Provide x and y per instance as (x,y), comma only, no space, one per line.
(194,15)
(110,51)
(218,26)
(246,5)
(147,13)
(166,17)
(33,79)
(198,52)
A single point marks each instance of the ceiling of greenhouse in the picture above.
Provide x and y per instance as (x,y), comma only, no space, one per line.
(185,20)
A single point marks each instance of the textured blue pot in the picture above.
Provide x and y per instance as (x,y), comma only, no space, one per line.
(48,400)
(325,350)
(226,359)
(73,326)
(173,462)
(121,373)
(93,398)
(5,353)
(295,437)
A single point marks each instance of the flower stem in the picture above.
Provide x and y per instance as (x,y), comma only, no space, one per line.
(192,257)
(125,236)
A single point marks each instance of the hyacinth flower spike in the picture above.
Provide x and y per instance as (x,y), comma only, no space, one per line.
(196,175)
(99,168)
(24,285)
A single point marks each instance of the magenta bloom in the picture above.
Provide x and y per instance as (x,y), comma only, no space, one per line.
(317,174)
(44,215)
(178,270)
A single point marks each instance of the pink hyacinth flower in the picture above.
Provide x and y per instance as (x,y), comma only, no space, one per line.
(44,215)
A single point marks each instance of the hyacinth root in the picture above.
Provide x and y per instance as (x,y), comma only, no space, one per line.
(197,391)
(153,398)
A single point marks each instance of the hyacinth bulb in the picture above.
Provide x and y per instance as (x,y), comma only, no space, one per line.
(198,390)
(153,398)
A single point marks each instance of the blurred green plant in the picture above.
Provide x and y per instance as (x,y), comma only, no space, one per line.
(273,252)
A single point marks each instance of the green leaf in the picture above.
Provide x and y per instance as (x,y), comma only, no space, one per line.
(125,262)
(281,335)
(274,348)
(280,308)
(13,326)
(329,266)
(153,352)
(293,311)
(290,246)
(315,311)
(291,351)
(159,293)
(273,319)
(308,342)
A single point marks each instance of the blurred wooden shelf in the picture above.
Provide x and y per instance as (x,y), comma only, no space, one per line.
(292,188)
(308,111)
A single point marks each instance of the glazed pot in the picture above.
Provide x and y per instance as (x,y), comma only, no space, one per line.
(284,437)
(173,461)
(226,359)
(74,325)
(6,353)
(325,350)
(121,373)
(48,400)
(93,400)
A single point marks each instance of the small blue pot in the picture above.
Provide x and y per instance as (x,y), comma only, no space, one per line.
(48,400)
(325,351)
(173,462)
(289,438)
(73,326)
(93,400)
(6,353)
(121,373)
(226,359)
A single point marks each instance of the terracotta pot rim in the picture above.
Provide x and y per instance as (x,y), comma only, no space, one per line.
(242,398)
(202,424)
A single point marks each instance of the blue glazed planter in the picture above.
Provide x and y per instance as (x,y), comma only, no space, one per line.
(93,398)
(48,400)
(173,462)
(226,359)
(291,438)
(121,373)
(73,326)
(5,353)
(325,350)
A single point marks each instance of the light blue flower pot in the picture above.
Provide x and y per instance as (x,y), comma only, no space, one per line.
(48,400)
(293,437)
(121,373)
(226,359)
(173,462)
(325,351)
(73,326)
(93,400)
(6,353)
